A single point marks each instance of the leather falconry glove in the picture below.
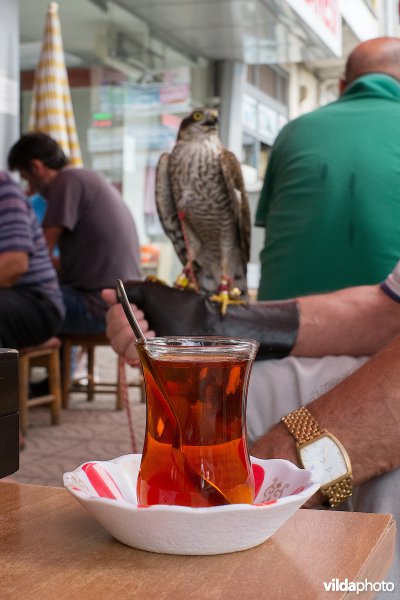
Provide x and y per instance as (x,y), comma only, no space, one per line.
(170,311)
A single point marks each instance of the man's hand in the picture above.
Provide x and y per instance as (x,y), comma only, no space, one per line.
(278,443)
(119,332)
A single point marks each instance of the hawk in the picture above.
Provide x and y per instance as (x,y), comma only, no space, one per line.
(204,210)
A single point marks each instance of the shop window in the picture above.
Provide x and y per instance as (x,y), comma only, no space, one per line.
(267,80)
(250,151)
(251,74)
(271,80)
(255,155)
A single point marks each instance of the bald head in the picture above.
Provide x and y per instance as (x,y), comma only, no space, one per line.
(379,55)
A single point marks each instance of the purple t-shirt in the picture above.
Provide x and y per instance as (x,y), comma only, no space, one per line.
(99,242)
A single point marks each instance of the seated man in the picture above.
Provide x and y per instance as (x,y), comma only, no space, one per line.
(362,411)
(31,307)
(88,221)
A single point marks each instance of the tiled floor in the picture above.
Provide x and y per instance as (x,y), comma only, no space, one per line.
(94,431)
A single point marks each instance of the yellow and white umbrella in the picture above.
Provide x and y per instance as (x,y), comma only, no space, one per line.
(51,108)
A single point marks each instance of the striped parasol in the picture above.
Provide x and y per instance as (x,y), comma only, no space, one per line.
(51,108)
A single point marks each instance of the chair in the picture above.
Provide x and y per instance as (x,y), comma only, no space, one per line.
(44,355)
(90,342)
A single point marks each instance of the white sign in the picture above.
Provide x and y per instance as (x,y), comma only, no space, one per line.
(8,96)
(129,154)
(324,18)
(360,19)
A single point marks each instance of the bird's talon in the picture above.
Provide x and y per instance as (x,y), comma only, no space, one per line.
(224,298)
(234,293)
(181,282)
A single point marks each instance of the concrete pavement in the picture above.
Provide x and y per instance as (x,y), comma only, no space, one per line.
(88,431)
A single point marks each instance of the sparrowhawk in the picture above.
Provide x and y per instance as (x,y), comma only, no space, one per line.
(203,208)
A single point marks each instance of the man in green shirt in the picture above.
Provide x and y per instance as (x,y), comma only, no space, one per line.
(330,203)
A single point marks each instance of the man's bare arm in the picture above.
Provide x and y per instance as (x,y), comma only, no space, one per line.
(12,266)
(51,235)
(363,412)
(356,321)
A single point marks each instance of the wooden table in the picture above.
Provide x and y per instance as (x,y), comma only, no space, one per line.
(50,548)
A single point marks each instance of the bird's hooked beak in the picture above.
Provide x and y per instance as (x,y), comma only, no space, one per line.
(211,119)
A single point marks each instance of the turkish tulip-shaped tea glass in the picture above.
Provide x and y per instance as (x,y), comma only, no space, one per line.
(195,451)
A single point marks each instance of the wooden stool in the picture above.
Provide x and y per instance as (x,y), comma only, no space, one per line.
(90,342)
(44,355)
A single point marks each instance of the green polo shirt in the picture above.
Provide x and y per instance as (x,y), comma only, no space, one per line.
(330,202)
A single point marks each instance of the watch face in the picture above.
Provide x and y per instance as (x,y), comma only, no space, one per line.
(325,459)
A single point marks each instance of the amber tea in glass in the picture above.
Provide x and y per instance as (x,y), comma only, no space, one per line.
(195,452)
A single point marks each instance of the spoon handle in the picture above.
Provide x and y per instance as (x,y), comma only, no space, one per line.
(123,298)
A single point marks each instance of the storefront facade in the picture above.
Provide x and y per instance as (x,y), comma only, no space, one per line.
(135,68)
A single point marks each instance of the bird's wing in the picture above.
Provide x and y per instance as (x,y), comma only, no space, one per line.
(232,173)
(167,209)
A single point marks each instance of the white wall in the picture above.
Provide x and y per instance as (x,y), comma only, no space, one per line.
(360,18)
(304,90)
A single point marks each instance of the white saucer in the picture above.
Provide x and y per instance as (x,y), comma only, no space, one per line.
(107,489)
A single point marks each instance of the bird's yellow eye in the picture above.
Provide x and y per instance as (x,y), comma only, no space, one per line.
(197,116)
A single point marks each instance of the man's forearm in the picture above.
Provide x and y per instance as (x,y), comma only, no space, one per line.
(363,412)
(355,321)
(12,266)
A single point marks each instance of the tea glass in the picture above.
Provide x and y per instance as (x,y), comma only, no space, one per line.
(195,451)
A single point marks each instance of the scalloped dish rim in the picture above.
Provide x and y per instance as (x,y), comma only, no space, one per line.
(123,503)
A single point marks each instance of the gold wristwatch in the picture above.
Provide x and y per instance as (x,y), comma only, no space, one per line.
(321,452)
